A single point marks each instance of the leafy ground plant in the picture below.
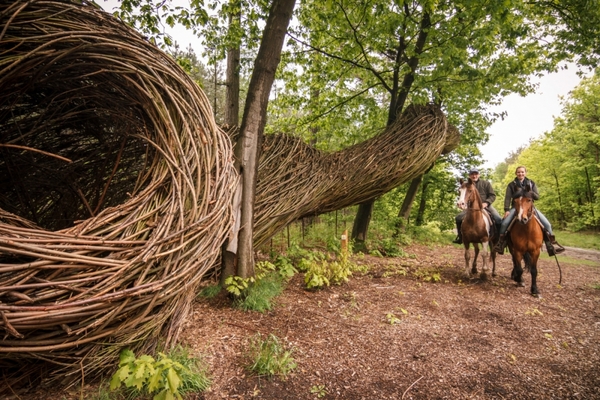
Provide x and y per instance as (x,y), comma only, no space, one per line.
(256,293)
(268,357)
(167,377)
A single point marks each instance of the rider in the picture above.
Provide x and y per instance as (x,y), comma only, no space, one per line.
(487,197)
(523,183)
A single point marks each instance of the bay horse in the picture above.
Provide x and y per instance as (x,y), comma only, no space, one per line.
(526,237)
(476,227)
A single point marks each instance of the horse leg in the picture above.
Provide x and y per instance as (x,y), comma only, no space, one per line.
(467,257)
(493,261)
(517,272)
(484,256)
(474,267)
(533,271)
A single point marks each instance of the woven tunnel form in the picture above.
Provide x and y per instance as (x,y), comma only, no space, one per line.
(115,186)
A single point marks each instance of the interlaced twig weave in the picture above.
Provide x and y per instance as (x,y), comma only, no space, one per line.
(115,186)
(295,180)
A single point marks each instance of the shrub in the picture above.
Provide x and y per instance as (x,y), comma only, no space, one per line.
(268,357)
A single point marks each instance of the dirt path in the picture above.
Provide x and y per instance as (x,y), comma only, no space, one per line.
(417,328)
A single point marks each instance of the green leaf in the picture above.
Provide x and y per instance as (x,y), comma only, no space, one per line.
(115,381)
(155,381)
(126,357)
(173,380)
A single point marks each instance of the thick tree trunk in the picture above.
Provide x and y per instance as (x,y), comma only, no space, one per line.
(252,128)
(411,194)
(361,225)
(422,205)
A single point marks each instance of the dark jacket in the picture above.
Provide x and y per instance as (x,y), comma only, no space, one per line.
(486,191)
(515,186)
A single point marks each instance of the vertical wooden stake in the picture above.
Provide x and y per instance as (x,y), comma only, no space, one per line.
(345,242)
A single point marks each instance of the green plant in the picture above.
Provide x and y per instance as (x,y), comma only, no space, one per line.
(324,273)
(392,319)
(319,390)
(168,375)
(259,294)
(236,285)
(428,274)
(210,291)
(268,357)
(285,267)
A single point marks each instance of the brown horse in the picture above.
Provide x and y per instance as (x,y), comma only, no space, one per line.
(526,237)
(475,227)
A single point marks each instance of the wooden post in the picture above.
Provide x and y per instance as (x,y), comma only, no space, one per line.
(345,242)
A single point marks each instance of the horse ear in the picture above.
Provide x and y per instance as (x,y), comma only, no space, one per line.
(461,181)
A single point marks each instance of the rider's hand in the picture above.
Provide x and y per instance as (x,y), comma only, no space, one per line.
(485,205)
(506,214)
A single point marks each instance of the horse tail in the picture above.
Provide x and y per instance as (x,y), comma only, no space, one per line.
(528,261)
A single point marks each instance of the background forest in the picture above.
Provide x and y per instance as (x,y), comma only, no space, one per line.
(349,67)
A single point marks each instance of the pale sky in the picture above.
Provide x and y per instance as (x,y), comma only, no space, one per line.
(528,117)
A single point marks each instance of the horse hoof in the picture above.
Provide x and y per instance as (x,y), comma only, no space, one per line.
(521,284)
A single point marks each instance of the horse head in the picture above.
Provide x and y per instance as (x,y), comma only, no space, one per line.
(468,195)
(462,191)
(523,204)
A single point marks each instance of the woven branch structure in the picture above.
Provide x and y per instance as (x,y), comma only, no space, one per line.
(115,187)
(295,180)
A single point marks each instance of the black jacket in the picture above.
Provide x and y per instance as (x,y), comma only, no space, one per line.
(515,186)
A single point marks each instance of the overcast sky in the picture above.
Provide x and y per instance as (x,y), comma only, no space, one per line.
(528,117)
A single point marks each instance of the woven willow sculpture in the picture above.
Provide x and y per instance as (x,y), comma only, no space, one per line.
(295,180)
(116,186)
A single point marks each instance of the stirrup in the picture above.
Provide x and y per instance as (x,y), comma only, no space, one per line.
(499,248)
(557,248)
(550,249)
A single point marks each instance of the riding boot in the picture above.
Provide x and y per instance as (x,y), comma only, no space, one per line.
(555,246)
(458,239)
(501,244)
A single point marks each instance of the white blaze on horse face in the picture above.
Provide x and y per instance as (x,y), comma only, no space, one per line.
(520,216)
(461,198)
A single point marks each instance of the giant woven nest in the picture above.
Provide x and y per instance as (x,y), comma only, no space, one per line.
(116,185)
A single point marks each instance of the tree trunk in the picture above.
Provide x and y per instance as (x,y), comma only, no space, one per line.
(252,128)
(411,194)
(232,111)
(232,96)
(422,204)
(361,225)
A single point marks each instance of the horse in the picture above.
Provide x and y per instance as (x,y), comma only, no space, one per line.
(475,227)
(525,240)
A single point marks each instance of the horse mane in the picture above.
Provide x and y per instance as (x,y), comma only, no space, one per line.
(522,193)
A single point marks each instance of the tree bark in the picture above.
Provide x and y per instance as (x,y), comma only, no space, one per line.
(411,194)
(422,204)
(232,111)
(361,225)
(252,128)
(232,95)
